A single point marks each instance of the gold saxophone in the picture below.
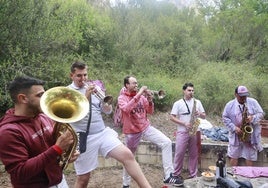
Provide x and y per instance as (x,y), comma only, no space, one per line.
(246,128)
(64,106)
(194,121)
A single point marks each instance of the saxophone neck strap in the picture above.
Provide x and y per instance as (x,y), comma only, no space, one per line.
(90,113)
(189,112)
(242,108)
(187,106)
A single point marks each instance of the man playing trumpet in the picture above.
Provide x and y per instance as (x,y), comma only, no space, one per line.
(135,104)
(101,139)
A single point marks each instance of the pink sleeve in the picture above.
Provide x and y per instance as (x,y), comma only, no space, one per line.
(126,104)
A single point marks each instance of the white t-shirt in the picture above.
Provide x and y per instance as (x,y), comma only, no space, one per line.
(182,112)
(97,124)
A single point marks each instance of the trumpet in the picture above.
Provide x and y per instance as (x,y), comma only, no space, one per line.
(64,106)
(99,93)
(160,94)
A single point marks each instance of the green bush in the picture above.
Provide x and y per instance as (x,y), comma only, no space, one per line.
(164,47)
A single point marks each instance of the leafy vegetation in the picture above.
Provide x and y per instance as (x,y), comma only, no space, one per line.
(216,47)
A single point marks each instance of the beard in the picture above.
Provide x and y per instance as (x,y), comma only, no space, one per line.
(34,108)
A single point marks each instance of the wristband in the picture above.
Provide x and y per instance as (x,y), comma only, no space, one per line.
(57,149)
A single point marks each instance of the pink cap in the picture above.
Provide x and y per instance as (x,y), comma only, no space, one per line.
(242,91)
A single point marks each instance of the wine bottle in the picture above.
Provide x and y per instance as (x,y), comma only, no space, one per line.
(220,166)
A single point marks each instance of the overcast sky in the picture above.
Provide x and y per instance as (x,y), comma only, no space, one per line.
(178,3)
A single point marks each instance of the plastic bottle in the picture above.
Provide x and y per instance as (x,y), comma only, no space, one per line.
(220,166)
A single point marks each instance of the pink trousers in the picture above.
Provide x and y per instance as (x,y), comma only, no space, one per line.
(184,143)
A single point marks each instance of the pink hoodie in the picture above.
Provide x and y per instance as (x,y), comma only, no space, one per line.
(134,112)
(26,151)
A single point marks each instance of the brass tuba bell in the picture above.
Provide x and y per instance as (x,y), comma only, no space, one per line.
(64,105)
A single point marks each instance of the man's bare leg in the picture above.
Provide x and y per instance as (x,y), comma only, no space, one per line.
(233,162)
(82,180)
(122,154)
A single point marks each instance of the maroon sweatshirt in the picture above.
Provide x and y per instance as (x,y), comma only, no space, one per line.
(26,151)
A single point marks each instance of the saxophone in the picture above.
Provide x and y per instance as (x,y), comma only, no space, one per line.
(246,128)
(194,121)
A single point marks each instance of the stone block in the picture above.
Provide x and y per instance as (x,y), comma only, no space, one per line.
(264,131)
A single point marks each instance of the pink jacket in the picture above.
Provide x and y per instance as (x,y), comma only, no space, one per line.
(134,112)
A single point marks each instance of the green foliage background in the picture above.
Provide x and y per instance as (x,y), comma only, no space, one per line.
(215,47)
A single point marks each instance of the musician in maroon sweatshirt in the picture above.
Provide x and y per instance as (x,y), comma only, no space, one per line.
(27,149)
